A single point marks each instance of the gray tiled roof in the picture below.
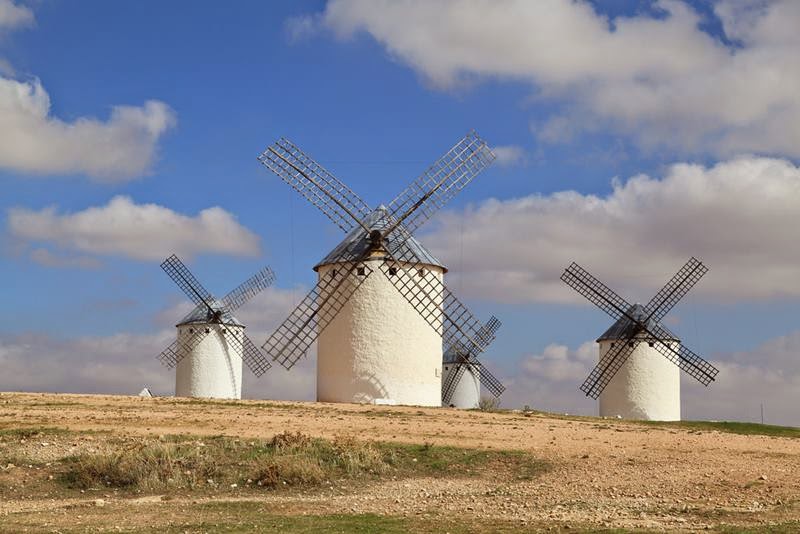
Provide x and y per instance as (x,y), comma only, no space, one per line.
(199,315)
(357,242)
(624,327)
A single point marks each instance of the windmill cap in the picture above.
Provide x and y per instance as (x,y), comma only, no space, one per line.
(199,316)
(624,328)
(357,242)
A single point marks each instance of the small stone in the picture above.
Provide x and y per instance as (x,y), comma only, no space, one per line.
(99,503)
(234,485)
(763,477)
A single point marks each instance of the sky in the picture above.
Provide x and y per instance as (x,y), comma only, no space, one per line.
(630,136)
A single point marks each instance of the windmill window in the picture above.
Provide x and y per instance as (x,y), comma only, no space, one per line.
(630,344)
(333,273)
(360,271)
(224,331)
(421,272)
(191,330)
(612,345)
(208,330)
(650,344)
(392,271)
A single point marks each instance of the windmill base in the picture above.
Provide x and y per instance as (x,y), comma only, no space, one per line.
(647,387)
(212,369)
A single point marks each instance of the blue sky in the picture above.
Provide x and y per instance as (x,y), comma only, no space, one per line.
(696,100)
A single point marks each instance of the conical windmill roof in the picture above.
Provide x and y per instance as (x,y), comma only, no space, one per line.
(452,356)
(624,327)
(357,242)
(199,315)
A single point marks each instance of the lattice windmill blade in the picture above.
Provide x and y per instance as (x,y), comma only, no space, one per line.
(292,339)
(248,289)
(440,308)
(595,291)
(694,365)
(676,289)
(449,384)
(491,382)
(252,356)
(190,285)
(440,182)
(172,355)
(333,198)
(611,362)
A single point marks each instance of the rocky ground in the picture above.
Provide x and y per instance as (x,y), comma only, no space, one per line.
(601,474)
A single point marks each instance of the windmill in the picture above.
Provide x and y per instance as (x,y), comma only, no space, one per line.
(373,346)
(211,343)
(463,374)
(635,377)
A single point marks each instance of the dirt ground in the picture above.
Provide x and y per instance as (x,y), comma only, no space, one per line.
(603,473)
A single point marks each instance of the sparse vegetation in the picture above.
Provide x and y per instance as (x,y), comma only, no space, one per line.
(733,427)
(489,404)
(288,459)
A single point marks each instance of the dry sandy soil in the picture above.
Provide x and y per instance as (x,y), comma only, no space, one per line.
(603,474)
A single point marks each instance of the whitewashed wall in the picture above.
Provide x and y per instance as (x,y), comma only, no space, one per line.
(379,348)
(213,369)
(647,386)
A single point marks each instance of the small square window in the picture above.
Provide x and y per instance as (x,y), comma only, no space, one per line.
(191,330)
(392,271)
(630,343)
(333,273)
(421,272)
(650,344)
(361,271)
(612,345)
(208,330)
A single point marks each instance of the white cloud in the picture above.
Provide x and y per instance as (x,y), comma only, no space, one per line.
(42,256)
(770,373)
(301,27)
(13,16)
(661,80)
(549,381)
(115,150)
(124,363)
(139,231)
(739,217)
(509,155)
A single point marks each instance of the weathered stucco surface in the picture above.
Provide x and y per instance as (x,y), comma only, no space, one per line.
(647,386)
(379,346)
(213,369)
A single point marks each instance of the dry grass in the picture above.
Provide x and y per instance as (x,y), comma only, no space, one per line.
(288,459)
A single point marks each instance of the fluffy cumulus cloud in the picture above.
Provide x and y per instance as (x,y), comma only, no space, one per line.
(124,363)
(739,217)
(768,374)
(13,16)
(112,150)
(509,155)
(658,76)
(138,231)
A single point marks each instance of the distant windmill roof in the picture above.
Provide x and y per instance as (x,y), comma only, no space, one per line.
(200,315)
(624,327)
(452,356)
(357,242)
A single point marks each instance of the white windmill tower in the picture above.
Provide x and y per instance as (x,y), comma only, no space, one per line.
(380,308)
(462,375)
(638,374)
(211,344)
